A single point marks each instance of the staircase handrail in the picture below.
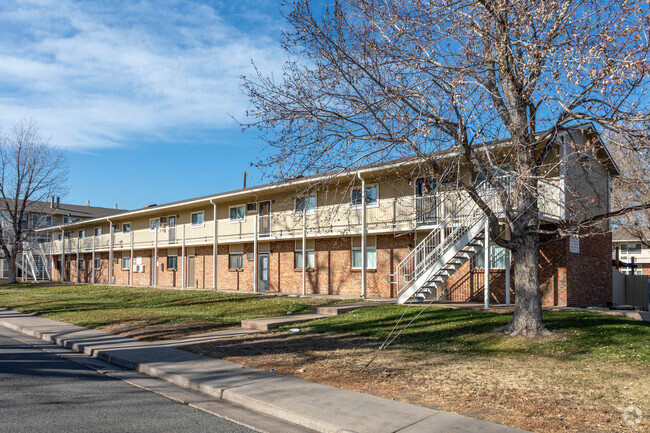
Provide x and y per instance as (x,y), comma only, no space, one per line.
(427,252)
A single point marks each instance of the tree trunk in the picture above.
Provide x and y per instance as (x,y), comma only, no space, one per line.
(11,264)
(527,318)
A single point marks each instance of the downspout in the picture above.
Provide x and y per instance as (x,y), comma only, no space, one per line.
(62,255)
(364,253)
(110,251)
(215,248)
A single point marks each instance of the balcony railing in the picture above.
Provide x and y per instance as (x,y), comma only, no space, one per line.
(402,213)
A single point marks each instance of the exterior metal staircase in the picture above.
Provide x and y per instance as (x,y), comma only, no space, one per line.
(423,272)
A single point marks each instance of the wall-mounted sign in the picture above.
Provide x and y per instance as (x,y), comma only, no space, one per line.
(574,245)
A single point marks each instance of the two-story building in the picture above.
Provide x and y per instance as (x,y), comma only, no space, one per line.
(383,231)
(33,263)
(630,251)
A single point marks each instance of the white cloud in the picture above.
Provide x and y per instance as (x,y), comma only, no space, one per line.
(96,74)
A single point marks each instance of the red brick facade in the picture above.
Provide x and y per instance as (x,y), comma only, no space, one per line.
(566,278)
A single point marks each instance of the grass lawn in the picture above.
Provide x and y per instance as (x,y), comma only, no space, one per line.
(147,313)
(582,379)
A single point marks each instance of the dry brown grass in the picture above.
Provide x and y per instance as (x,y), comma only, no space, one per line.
(536,393)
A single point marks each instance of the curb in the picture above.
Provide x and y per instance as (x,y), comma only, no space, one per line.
(305,404)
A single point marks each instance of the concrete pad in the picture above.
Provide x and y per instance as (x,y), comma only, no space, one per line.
(335,310)
(452,423)
(208,337)
(266,323)
(324,408)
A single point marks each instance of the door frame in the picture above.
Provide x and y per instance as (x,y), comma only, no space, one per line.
(260,286)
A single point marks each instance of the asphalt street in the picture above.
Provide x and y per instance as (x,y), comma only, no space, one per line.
(42,392)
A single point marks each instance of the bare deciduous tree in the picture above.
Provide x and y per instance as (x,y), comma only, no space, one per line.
(32,171)
(370,81)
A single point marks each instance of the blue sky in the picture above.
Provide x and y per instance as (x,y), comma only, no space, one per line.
(140,94)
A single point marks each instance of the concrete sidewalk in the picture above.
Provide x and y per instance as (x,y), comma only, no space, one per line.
(309,405)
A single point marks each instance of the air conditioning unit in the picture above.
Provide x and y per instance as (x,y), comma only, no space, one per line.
(251,207)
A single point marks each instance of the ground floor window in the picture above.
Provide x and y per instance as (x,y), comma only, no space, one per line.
(126,262)
(309,250)
(497,258)
(80,264)
(172,260)
(371,252)
(236,257)
(98,263)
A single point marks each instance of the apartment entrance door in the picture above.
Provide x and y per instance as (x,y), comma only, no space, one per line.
(264,218)
(426,206)
(263,273)
(172,229)
(191,282)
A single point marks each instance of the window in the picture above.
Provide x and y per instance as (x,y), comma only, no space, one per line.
(497,258)
(39,221)
(67,220)
(154,224)
(297,255)
(371,252)
(236,257)
(82,234)
(306,203)
(630,248)
(80,264)
(126,228)
(98,231)
(172,261)
(237,213)
(98,263)
(126,262)
(197,219)
(58,236)
(68,235)
(371,196)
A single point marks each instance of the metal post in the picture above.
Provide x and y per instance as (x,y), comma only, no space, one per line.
(155,258)
(92,265)
(304,252)
(62,255)
(486,256)
(110,252)
(215,249)
(255,255)
(364,245)
(131,262)
(507,278)
(77,258)
(183,258)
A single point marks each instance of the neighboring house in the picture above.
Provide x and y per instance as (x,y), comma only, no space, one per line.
(312,235)
(34,262)
(631,251)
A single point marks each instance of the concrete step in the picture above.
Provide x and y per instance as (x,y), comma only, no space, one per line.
(266,323)
(335,310)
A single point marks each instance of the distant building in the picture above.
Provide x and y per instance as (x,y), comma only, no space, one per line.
(631,251)
(33,264)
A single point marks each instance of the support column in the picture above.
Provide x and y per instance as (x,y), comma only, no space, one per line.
(507,278)
(131,262)
(215,247)
(486,256)
(110,253)
(62,256)
(304,252)
(155,258)
(255,255)
(183,257)
(77,265)
(364,245)
(443,235)
(92,265)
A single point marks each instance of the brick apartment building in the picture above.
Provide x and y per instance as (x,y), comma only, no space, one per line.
(318,235)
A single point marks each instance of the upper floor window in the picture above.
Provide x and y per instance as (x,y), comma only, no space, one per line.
(126,228)
(237,213)
(306,203)
(630,248)
(154,224)
(425,186)
(82,234)
(197,219)
(98,231)
(115,228)
(69,219)
(371,196)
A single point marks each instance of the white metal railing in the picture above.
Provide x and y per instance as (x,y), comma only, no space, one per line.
(460,220)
